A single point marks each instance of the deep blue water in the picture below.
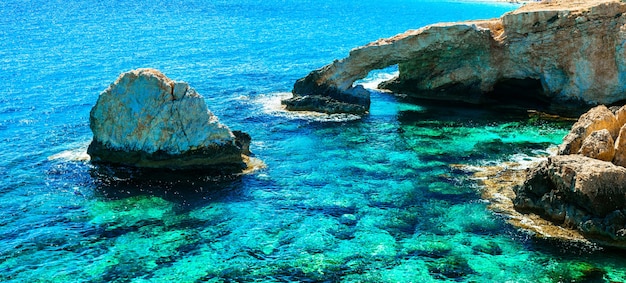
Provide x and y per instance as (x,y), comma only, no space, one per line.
(342,198)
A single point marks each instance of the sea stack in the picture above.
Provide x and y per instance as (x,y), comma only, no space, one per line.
(146,120)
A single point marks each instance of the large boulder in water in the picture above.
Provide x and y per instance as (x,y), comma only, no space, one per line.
(578,192)
(584,187)
(147,120)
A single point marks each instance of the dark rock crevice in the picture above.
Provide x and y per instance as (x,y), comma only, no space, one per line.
(527,93)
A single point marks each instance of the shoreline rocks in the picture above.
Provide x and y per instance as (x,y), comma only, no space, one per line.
(146,120)
(578,192)
(564,56)
(497,184)
(581,188)
(597,118)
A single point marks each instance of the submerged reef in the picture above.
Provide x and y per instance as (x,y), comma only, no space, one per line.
(144,119)
(557,56)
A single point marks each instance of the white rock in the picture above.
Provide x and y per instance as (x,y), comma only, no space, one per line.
(148,120)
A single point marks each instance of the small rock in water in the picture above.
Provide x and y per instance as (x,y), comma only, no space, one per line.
(144,119)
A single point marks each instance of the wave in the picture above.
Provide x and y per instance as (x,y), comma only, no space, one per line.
(375,77)
(78,152)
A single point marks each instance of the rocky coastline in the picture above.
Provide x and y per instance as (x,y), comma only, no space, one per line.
(147,120)
(583,187)
(578,193)
(560,57)
(556,56)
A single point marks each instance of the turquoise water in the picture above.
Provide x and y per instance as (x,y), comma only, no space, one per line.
(341,199)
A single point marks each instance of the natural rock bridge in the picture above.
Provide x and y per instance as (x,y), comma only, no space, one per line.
(560,54)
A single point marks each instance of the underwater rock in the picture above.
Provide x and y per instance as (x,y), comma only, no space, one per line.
(580,192)
(144,119)
(497,184)
(567,55)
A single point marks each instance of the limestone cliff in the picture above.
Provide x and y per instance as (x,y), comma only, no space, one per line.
(560,54)
(145,119)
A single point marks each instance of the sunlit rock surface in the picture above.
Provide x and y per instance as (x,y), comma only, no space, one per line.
(598,145)
(620,148)
(597,118)
(561,55)
(145,119)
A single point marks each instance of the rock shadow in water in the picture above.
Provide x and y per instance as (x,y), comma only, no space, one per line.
(188,189)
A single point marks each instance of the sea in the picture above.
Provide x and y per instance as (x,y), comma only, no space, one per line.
(338,198)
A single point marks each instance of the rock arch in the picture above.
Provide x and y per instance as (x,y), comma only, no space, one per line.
(575,51)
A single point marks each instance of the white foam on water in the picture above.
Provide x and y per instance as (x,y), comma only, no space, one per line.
(526,161)
(75,154)
(516,161)
(375,77)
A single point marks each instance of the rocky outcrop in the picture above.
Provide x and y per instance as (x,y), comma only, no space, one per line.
(578,192)
(145,119)
(619,158)
(557,54)
(597,118)
(584,187)
(599,145)
(331,100)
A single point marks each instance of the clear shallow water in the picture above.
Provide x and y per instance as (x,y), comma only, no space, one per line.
(341,199)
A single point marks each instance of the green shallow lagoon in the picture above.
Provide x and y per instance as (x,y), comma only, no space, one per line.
(370,200)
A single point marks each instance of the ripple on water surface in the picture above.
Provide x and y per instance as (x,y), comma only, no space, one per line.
(368,200)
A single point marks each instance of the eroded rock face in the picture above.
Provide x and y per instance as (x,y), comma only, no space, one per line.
(579,192)
(620,148)
(584,187)
(597,118)
(145,119)
(574,52)
(620,115)
(598,145)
